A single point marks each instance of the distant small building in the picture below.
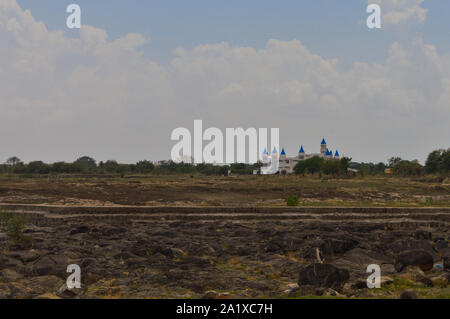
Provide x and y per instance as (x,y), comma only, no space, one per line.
(287,164)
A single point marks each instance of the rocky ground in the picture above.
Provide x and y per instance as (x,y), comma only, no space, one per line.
(224,259)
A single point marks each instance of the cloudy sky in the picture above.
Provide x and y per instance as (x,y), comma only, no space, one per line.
(139,69)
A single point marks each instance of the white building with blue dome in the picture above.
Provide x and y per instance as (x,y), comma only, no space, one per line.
(287,164)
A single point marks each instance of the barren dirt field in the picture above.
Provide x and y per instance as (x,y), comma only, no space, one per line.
(184,190)
(211,237)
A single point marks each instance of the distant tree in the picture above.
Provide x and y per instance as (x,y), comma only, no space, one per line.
(144,167)
(444,166)
(408,168)
(37,167)
(345,164)
(86,163)
(438,162)
(394,161)
(111,166)
(380,168)
(433,161)
(312,165)
(13,161)
(331,167)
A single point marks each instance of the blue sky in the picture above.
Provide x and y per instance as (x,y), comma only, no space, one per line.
(331,28)
(311,68)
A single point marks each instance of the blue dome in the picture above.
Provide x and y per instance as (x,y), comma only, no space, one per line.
(274,150)
(336,154)
(323,142)
(283,152)
(265,151)
(301,150)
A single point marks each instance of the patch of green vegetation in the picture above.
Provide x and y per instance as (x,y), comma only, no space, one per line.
(292,200)
(13,225)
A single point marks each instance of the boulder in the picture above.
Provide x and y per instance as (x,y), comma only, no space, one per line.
(323,275)
(10,275)
(408,294)
(46,266)
(439,282)
(419,258)
(422,234)
(81,229)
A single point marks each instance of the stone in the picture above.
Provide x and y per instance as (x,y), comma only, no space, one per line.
(66,293)
(306,290)
(422,234)
(323,275)
(419,258)
(10,275)
(408,294)
(439,282)
(45,266)
(80,230)
(386,280)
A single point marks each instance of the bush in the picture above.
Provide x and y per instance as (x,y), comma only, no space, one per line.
(13,226)
(292,200)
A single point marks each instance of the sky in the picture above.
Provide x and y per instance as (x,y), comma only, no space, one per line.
(136,70)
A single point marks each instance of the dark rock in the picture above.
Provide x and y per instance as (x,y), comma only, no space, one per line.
(10,275)
(441,244)
(50,265)
(408,294)
(342,246)
(323,275)
(306,290)
(44,266)
(275,245)
(419,258)
(422,234)
(82,229)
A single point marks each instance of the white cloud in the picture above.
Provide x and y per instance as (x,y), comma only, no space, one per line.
(395,12)
(64,97)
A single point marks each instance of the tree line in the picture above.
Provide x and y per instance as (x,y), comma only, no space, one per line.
(438,162)
(87,164)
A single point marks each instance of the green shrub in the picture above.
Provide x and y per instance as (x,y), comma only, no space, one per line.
(13,226)
(292,200)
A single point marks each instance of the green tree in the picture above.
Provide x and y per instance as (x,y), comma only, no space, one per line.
(86,163)
(312,165)
(394,161)
(444,166)
(111,166)
(331,167)
(433,161)
(144,167)
(13,161)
